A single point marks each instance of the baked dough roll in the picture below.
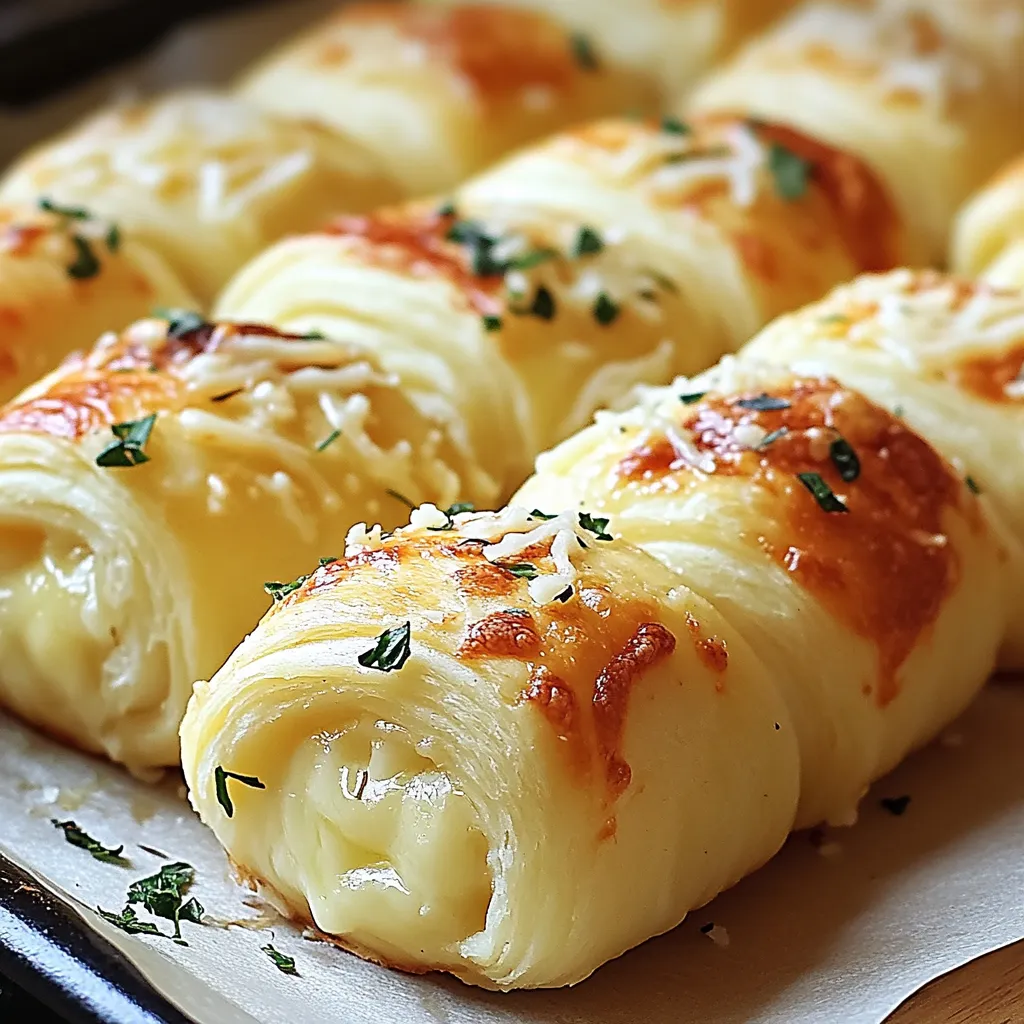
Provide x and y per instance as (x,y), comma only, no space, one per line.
(546,709)
(948,357)
(437,94)
(988,237)
(844,548)
(148,490)
(921,107)
(675,43)
(65,278)
(205,180)
(467,790)
(619,253)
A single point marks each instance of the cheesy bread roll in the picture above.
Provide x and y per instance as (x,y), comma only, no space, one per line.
(917,104)
(674,43)
(619,253)
(545,708)
(149,489)
(467,788)
(205,180)
(988,237)
(843,547)
(437,94)
(946,356)
(65,278)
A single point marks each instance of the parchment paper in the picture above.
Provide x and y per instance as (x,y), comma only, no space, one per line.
(839,927)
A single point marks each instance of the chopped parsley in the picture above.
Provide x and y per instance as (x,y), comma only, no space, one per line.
(451,511)
(285,964)
(129,441)
(972,485)
(674,126)
(586,243)
(481,245)
(162,895)
(763,403)
(70,212)
(537,514)
(606,310)
(491,323)
(692,397)
(542,306)
(113,238)
(524,570)
(583,51)
(85,263)
(790,172)
(76,837)
(595,525)
(895,805)
(180,321)
(279,591)
(823,494)
(329,440)
(770,438)
(391,651)
(314,336)
(844,458)
(220,782)
(128,921)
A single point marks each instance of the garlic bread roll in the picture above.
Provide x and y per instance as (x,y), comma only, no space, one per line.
(65,278)
(205,180)
(917,104)
(149,488)
(616,254)
(848,553)
(468,789)
(988,236)
(438,94)
(675,43)
(948,357)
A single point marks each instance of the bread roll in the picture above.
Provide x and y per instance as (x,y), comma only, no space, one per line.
(130,565)
(205,180)
(921,106)
(674,43)
(549,711)
(948,356)
(988,237)
(438,94)
(65,278)
(692,237)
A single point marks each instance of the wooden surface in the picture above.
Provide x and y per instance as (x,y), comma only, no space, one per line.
(987,991)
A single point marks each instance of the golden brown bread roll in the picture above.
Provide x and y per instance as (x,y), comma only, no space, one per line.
(899,87)
(203,179)
(524,709)
(65,278)
(436,350)
(988,237)
(438,94)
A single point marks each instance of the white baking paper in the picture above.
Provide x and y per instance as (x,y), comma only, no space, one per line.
(842,926)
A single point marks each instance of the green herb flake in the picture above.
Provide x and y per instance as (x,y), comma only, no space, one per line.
(823,494)
(790,172)
(543,305)
(285,964)
(606,310)
(279,591)
(972,485)
(314,336)
(586,243)
(491,323)
(180,321)
(130,440)
(128,921)
(451,511)
(522,570)
(673,126)
(763,403)
(844,458)
(113,238)
(595,525)
(77,837)
(220,782)
(391,650)
(770,438)
(163,894)
(329,440)
(85,263)
(71,212)
(583,51)
(692,397)
(537,514)
(529,260)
